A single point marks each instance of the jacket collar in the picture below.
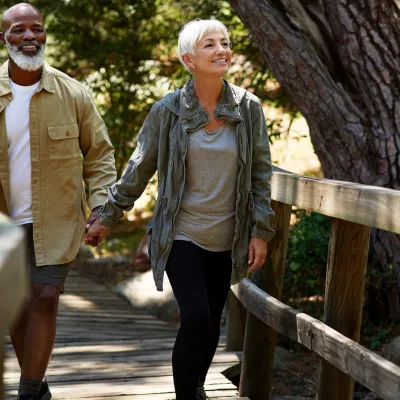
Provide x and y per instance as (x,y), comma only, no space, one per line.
(46,81)
(185,104)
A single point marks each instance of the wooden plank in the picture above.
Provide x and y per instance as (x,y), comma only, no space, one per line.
(96,371)
(213,379)
(344,299)
(216,395)
(260,340)
(374,372)
(368,205)
(136,359)
(121,387)
(108,346)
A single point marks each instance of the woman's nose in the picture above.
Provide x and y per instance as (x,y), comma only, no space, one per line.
(221,48)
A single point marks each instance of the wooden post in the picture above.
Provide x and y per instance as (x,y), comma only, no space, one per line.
(344,294)
(236,323)
(260,340)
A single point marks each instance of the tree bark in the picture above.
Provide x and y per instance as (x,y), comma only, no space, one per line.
(340,62)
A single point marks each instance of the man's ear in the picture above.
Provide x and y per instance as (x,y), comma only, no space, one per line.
(2,37)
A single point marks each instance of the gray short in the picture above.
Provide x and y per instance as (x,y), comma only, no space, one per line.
(53,275)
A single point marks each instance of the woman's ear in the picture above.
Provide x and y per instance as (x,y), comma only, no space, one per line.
(188,60)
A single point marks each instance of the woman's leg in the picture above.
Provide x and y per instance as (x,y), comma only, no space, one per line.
(218,277)
(185,269)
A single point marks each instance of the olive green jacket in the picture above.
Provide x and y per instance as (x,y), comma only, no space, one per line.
(70,148)
(162,146)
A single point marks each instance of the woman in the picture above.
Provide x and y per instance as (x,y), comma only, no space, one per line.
(208,141)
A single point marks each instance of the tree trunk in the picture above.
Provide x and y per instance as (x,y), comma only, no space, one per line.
(340,62)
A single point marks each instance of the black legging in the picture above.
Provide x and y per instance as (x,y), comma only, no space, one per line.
(200,280)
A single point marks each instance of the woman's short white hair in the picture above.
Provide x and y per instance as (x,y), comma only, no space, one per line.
(192,33)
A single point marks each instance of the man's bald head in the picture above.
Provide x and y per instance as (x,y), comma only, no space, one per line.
(17,12)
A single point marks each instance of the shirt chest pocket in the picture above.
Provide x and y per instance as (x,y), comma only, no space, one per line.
(63,145)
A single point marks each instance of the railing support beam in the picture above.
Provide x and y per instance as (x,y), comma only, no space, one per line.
(236,323)
(260,340)
(344,294)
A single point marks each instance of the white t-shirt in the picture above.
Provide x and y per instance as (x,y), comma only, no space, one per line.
(19,152)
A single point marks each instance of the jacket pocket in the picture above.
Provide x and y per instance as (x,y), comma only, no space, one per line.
(64,149)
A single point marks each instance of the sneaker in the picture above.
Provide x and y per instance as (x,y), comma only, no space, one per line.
(201,393)
(27,397)
(44,392)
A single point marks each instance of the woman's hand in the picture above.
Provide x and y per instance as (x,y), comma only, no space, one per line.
(96,233)
(257,253)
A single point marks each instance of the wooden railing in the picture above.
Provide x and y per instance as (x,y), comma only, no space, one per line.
(354,210)
(13,280)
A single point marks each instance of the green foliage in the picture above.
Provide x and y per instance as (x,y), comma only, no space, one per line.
(307,256)
(376,336)
(121,243)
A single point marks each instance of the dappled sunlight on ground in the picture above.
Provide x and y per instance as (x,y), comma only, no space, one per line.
(77,302)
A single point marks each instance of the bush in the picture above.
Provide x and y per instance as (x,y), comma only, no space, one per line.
(306,258)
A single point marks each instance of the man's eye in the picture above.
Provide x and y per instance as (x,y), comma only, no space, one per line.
(17,31)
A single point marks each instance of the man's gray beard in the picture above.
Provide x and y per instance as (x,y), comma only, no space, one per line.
(24,61)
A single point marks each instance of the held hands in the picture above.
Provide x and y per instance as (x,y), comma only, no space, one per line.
(257,253)
(95,233)
(92,217)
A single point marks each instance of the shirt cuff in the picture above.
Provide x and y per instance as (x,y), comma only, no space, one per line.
(265,234)
(107,221)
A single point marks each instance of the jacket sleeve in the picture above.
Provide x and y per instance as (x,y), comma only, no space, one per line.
(99,171)
(140,169)
(262,216)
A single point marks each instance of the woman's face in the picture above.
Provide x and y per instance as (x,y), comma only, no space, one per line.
(212,54)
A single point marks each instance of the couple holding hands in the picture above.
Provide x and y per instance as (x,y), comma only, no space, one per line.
(207,141)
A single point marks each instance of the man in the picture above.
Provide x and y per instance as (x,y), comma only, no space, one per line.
(52,141)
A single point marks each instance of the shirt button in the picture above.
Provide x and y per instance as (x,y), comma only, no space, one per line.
(67,133)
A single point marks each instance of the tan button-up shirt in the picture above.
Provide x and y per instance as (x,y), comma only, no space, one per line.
(72,162)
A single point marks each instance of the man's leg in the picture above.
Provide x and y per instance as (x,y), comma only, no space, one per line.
(18,332)
(40,332)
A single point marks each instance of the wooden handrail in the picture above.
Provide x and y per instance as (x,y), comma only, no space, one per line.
(13,280)
(354,208)
(374,372)
(367,205)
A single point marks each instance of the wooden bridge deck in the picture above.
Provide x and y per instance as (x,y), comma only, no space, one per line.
(105,350)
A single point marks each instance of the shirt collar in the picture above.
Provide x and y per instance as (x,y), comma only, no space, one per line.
(193,114)
(46,81)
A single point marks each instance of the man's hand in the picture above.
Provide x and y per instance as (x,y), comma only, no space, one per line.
(96,233)
(257,253)
(92,217)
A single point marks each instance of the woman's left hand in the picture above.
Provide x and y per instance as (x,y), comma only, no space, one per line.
(257,253)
